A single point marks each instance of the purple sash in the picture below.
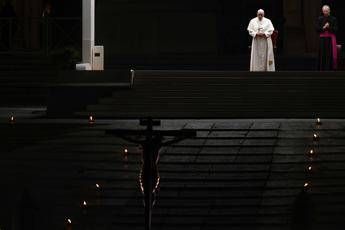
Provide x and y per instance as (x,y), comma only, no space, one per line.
(333,38)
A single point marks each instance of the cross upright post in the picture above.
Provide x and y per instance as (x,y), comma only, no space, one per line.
(150,152)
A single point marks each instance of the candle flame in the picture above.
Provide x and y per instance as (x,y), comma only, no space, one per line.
(91,119)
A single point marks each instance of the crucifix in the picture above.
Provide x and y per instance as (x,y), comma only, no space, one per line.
(151,142)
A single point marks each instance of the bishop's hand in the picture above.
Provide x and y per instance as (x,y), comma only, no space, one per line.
(326,26)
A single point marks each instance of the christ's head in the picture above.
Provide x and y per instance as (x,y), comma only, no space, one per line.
(260,14)
(326,10)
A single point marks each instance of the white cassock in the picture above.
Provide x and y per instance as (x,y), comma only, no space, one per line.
(262,56)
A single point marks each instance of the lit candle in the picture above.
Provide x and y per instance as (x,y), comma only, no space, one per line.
(125,157)
(12,119)
(316,137)
(68,224)
(311,152)
(91,119)
(310,168)
(98,194)
(84,207)
(318,121)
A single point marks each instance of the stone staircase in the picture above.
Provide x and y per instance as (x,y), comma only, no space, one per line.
(25,79)
(215,94)
(238,174)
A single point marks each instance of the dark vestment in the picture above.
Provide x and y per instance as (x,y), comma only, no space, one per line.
(326,60)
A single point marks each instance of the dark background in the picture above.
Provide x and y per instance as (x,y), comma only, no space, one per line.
(196,32)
